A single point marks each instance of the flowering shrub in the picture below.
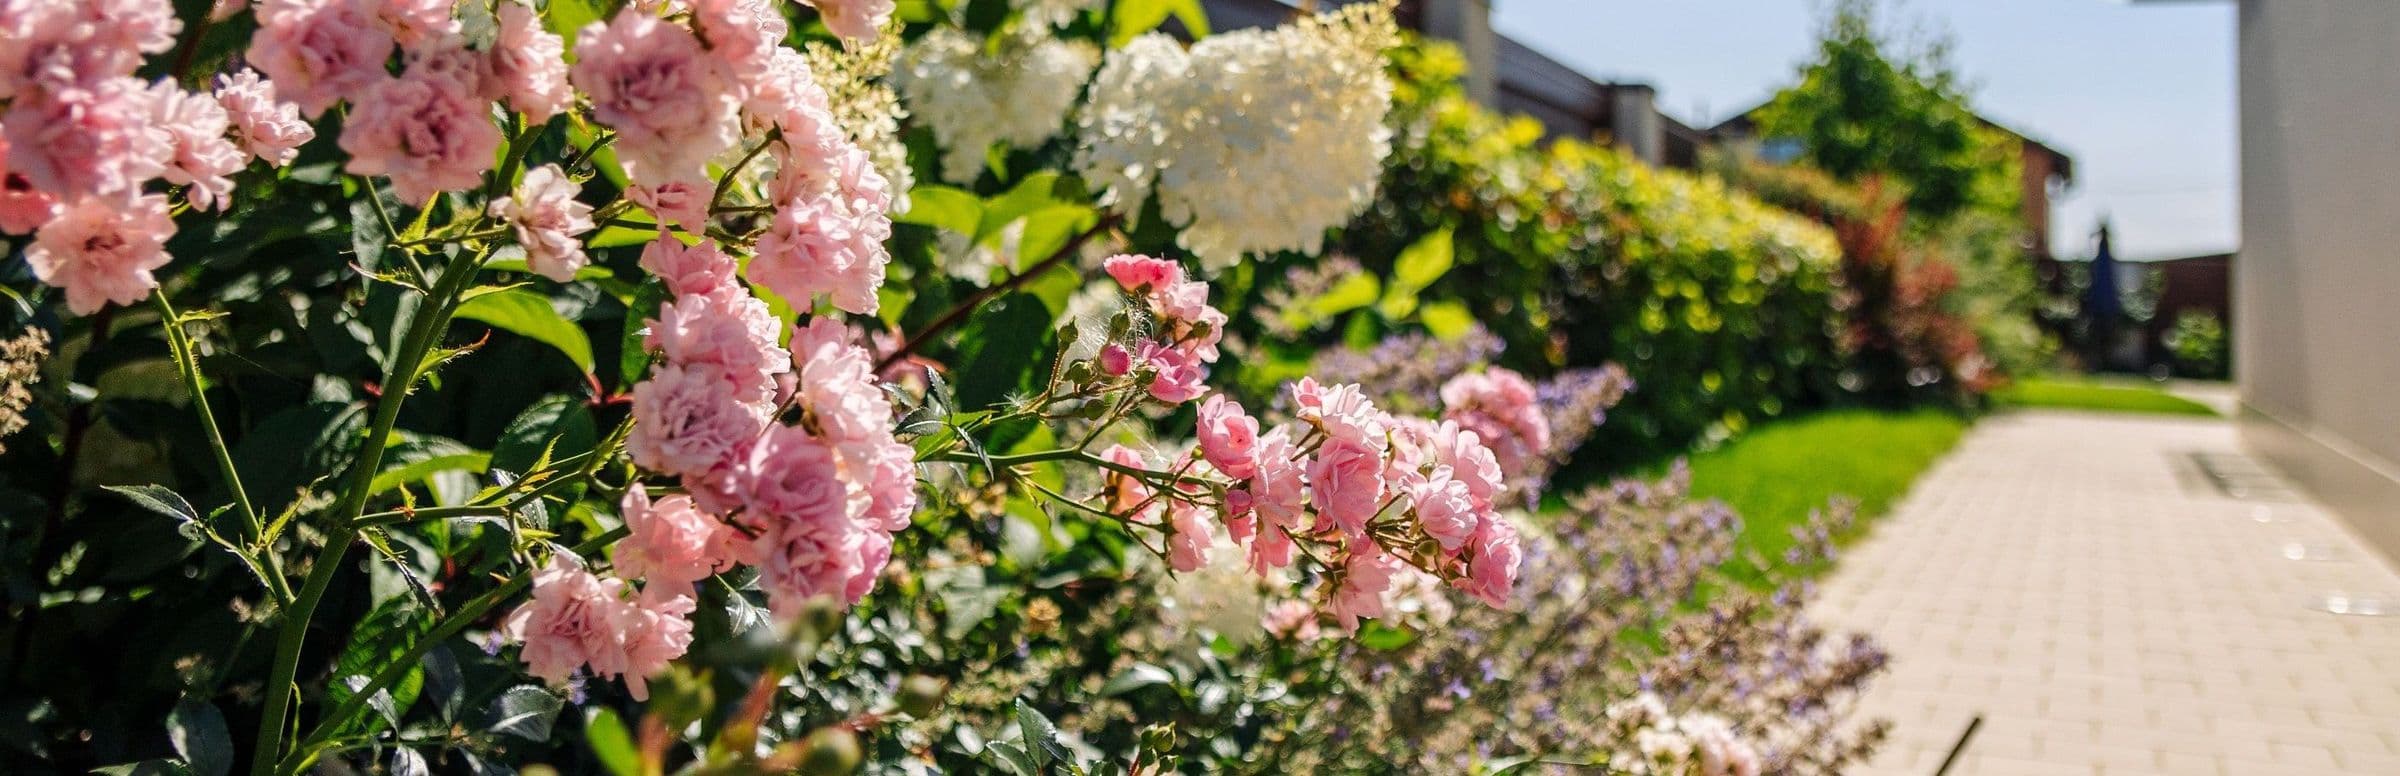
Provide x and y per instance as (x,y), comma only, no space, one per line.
(476,384)
(1718,306)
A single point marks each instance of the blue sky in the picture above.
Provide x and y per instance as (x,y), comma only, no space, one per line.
(2141,95)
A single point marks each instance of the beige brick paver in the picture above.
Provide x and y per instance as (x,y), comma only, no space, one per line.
(2076,581)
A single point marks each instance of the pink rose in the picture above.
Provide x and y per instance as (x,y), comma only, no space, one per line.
(657,629)
(570,622)
(1341,411)
(1365,576)
(1115,360)
(267,128)
(527,66)
(319,52)
(1472,463)
(1345,484)
(544,214)
(416,23)
(677,203)
(1445,509)
(1122,493)
(49,45)
(23,208)
(86,141)
(689,270)
(837,383)
(690,419)
(424,133)
(874,550)
(888,471)
(1492,560)
(670,543)
(200,158)
(1228,437)
(1500,407)
(727,328)
(816,247)
(743,34)
(1187,545)
(792,476)
(1144,274)
(672,105)
(787,96)
(799,560)
(856,21)
(1180,377)
(102,250)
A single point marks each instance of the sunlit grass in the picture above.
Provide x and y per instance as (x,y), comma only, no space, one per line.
(2087,394)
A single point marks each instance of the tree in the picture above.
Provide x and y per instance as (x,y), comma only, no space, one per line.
(1863,109)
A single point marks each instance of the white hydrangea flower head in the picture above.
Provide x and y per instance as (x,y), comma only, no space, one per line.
(853,79)
(1244,153)
(1019,95)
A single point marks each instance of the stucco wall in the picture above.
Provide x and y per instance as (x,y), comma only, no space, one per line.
(2317,292)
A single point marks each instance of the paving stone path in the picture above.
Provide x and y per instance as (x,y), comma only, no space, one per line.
(2093,589)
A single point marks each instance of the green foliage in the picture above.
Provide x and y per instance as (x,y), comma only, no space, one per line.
(1576,255)
(2200,346)
(1864,109)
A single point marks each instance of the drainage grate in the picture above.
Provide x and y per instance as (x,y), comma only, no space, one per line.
(2237,476)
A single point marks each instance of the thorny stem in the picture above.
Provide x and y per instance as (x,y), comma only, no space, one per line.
(425,327)
(976,300)
(466,614)
(187,364)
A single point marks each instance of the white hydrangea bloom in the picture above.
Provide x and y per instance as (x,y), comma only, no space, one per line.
(1019,96)
(1253,141)
(853,80)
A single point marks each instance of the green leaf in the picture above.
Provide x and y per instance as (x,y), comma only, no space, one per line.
(1378,636)
(611,743)
(1012,757)
(367,235)
(379,640)
(943,207)
(633,355)
(1036,191)
(1446,319)
(418,471)
(1004,351)
(1417,267)
(1130,18)
(198,732)
(1135,677)
(1041,737)
(554,427)
(530,315)
(158,498)
(566,17)
(525,711)
(407,762)
(1353,292)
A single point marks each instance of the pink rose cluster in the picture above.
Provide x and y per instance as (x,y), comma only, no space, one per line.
(1500,406)
(681,96)
(81,138)
(1381,494)
(580,621)
(823,495)
(1186,334)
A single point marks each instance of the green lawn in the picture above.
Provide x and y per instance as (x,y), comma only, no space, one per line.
(2088,394)
(1775,474)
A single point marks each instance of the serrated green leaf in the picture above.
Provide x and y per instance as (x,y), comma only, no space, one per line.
(556,423)
(1041,736)
(162,500)
(530,315)
(379,640)
(525,711)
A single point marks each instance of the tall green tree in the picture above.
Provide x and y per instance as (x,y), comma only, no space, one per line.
(1867,107)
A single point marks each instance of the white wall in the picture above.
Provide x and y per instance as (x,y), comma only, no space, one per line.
(2317,287)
